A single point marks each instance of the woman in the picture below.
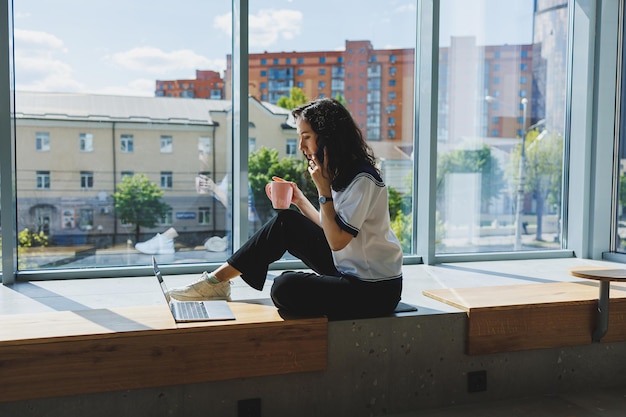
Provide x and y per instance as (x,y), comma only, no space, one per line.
(348,243)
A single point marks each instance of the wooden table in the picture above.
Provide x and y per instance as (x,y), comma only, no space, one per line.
(605,276)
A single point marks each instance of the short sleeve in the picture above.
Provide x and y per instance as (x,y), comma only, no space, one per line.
(354,204)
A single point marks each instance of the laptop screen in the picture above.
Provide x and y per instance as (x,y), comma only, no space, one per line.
(157,273)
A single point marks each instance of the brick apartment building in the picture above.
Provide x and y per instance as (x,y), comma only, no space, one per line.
(207,84)
(488,85)
(378,86)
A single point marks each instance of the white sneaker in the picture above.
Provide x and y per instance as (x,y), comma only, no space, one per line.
(158,245)
(202,289)
(216,244)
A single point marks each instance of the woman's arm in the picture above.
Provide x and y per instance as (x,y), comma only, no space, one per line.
(304,205)
(337,238)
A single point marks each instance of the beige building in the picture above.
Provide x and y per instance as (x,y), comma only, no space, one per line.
(73,150)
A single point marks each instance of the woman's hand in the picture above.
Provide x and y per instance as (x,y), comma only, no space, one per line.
(297,196)
(336,237)
(319,174)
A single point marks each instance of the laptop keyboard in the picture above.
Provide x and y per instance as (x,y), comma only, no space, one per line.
(190,310)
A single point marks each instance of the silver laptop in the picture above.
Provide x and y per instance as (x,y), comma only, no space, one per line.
(188,311)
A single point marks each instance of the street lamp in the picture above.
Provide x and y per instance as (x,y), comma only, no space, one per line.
(522,174)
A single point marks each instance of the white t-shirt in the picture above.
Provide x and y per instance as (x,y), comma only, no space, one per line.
(362,210)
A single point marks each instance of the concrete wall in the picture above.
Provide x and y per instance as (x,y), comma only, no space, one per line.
(376,367)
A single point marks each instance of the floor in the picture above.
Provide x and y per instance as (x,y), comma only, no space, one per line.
(608,403)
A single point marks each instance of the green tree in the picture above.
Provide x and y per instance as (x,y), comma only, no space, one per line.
(263,164)
(340,98)
(401,213)
(398,203)
(138,201)
(295,99)
(402,226)
(543,171)
(28,239)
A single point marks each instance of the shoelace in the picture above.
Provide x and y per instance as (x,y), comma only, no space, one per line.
(203,278)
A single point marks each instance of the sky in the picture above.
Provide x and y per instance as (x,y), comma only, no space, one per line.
(122,47)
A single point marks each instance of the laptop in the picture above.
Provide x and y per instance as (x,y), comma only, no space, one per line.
(191,311)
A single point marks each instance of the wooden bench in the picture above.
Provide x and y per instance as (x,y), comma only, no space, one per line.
(533,316)
(79,352)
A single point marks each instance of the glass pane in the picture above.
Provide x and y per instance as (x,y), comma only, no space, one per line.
(619,228)
(0,234)
(116,118)
(367,62)
(502,74)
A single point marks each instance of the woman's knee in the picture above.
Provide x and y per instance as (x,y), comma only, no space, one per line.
(285,291)
(279,291)
(289,216)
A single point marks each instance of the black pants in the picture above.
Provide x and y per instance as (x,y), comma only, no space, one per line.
(325,292)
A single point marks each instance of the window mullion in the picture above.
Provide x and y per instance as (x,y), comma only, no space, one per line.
(240,122)
(7,151)
(424,188)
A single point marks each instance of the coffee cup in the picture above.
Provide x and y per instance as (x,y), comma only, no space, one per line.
(280,193)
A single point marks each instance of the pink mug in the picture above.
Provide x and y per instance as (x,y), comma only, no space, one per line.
(280,193)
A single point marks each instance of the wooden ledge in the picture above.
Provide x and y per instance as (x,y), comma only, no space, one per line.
(534,316)
(80,352)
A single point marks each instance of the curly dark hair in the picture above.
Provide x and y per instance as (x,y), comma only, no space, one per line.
(347,151)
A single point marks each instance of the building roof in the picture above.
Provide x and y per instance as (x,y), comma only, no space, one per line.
(94,107)
(384,150)
(274,108)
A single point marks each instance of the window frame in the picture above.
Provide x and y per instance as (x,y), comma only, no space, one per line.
(166,180)
(291,147)
(43,181)
(86,180)
(42,141)
(205,216)
(85,142)
(127,143)
(166,144)
(592,115)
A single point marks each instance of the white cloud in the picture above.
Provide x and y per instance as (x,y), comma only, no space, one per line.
(138,87)
(406,8)
(224,23)
(41,65)
(266,27)
(44,75)
(37,63)
(154,60)
(36,40)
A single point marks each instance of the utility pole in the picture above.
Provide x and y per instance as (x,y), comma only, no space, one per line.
(522,175)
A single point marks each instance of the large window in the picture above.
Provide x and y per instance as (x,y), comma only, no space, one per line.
(488,152)
(125,169)
(500,169)
(618,236)
(371,43)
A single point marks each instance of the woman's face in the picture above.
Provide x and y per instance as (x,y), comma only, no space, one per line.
(308,138)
